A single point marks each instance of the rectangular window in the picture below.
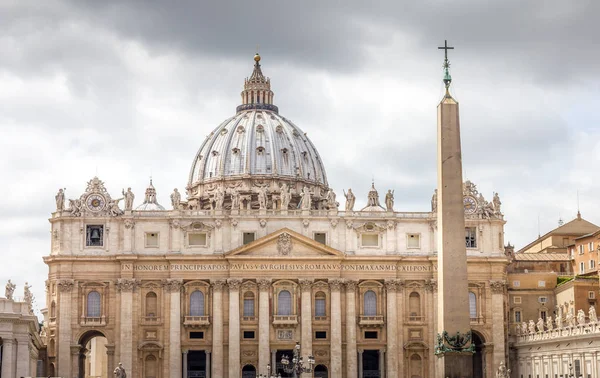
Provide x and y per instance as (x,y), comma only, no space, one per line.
(517,316)
(582,267)
(542,299)
(581,249)
(471,237)
(370,240)
(320,335)
(249,237)
(413,241)
(591,295)
(248,334)
(151,239)
(371,334)
(197,239)
(516,300)
(248,306)
(196,335)
(591,247)
(516,283)
(320,307)
(320,237)
(541,283)
(592,264)
(543,315)
(94,236)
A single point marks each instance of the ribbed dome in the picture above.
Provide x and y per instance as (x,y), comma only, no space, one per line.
(258,143)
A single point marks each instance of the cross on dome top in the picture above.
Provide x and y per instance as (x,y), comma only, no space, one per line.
(257,93)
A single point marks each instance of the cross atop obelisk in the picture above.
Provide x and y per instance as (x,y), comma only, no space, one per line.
(453,343)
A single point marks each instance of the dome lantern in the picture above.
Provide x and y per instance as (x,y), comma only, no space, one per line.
(257,93)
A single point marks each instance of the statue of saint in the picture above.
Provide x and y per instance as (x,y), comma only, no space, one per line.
(286,197)
(28,296)
(434,202)
(531,327)
(592,315)
(549,324)
(497,203)
(570,319)
(114,209)
(120,371)
(60,200)
(580,317)
(523,328)
(262,198)
(389,200)
(219,198)
(10,290)
(350,199)
(235,199)
(540,325)
(502,372)
(175,199)
(331,203)
(75,207)
(305,201)
(128,195)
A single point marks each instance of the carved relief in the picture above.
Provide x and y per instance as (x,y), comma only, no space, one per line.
(263,223)
(284,244)
(305,284)
(336,284)
(172,285)
(65,286)
(498,286)
(334,222)
(431,285)
(175,224)
(129,223)
(218,285)
(351,285)
(234,283)
(264,284)
(305,223)
(127,285)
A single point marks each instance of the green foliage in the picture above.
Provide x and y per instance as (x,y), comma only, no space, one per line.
(562,279)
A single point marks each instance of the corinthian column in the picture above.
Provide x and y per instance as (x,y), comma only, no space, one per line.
(217,312)
(8,367)
(263,325)
(392,329)
(306,316)
(126,286)
(335,286)
(351,368)
(234,327)
(64,330)
(173,287)
(498,288)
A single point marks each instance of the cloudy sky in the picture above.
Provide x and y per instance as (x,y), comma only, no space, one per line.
(129,89)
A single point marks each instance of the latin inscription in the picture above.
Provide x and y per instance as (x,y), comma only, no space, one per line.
(279,266)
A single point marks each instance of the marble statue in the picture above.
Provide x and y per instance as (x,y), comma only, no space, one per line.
(28,296)
(531,327)
(75,207)
(305,200)
(570,319)
(285,196)
(219,198)
(114,209)
(434,201)
(350,199)
(235,199)
(523,328)
(331,202)
(389,200)
(262,198)
(10,290)
(129,197)
(518,330)
(581,317)
(120,371)
(592,315)
(540,325)
(549,324)
(502,372)
(175,199)
(497,203)
(60,200)
(559,318)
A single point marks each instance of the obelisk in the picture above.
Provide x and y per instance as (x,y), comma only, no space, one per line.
(455,360)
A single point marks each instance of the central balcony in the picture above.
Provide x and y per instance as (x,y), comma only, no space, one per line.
(88,321)
(196,321)
(285,320)
(370,321)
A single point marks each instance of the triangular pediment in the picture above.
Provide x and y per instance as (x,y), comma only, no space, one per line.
(285,243)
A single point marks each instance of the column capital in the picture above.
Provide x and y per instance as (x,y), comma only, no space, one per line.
(172,285)
(305,284)
(431,285)
(351,284)
(65,286)
(75,349)
(218,285)
(263,283)
(335,284)
(234,283)
(127,285)
(8,341)
(498,286)
(110,349)
(391,286)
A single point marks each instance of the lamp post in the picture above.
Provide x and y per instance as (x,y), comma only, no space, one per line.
(268,375)
(296,365)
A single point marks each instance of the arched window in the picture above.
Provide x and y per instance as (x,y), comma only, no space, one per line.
(321,371)
(248,371)
(197,303)
(93,304)
(249,303)
(320,300)
(472,305)
(51,348)
(416,366)
(53,310)
(151,304)
(284,303)
(370,304)
(414,305)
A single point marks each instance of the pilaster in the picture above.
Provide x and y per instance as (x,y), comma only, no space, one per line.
(65,288)
(498,289)
(126,286)
(8,358)
(173,287)
(306,316)
(335,286)
(264,328)
(217,346)
(391,287)
(351,358)
(234,327)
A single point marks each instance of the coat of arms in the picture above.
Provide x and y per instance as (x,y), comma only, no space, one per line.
(284,244)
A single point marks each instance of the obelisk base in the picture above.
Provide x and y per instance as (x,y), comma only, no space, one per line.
(455,365)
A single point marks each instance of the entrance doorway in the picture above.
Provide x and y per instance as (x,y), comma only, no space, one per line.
(196,364)
(93,360)
(371,364)
(279,366)
(321,371)
(248,371)
(478,357)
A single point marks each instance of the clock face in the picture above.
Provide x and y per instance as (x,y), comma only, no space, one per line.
(95,202)
(470,204)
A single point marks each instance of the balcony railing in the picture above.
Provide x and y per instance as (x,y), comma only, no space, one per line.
(150,320)
(93,321)
(197,321)
(415,318)
(284,320)
(371,320)
(477,320)
(248,319)
(321,319)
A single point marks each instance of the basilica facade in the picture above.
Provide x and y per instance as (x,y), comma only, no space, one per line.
(258,256)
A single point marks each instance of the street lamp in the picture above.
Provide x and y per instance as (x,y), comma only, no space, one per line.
(268,375)
(296,365)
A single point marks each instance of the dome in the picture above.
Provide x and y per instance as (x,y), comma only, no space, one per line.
(150,202)
(257,144)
